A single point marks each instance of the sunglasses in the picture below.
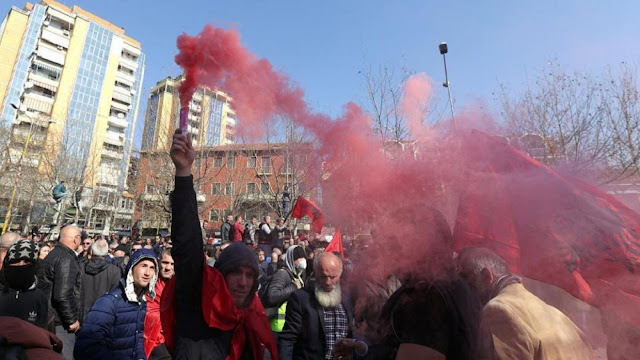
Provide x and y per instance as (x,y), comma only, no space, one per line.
(87,243)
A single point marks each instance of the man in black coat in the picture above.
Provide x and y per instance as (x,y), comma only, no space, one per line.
(317,317)
(60,277)
(99,276)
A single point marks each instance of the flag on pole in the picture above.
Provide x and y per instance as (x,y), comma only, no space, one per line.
(336,244)
(305,207)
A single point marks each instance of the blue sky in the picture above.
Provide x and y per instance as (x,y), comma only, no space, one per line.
(322,44)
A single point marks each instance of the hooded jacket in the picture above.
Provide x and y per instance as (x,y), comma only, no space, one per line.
(281,285)
(114,327)
(199,317)
(99,277)
(29,305)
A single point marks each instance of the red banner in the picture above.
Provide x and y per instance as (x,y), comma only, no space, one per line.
(305,207)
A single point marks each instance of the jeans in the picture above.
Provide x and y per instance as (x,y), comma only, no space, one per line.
(68,339)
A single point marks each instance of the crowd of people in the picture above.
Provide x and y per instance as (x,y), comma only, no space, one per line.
(260,292)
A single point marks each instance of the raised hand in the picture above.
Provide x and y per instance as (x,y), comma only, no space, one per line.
(182,153)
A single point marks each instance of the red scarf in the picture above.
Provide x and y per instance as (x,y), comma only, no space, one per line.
(220,312)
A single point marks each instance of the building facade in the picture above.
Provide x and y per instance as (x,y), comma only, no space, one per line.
(247,180)
(70,84)
(211,118)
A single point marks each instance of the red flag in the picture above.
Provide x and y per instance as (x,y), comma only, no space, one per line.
(336,244)
(305,207)
(550,227)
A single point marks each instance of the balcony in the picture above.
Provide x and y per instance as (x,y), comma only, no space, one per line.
(120,107)
(131,49)
(122,97)
(129,63)
(108,179)
(55,38)
(125,78)
(59,15)
(118,122)
(113,138)
(47,53)
(231,121)
(43,81)
(112,154)
(39,103)
(151,197)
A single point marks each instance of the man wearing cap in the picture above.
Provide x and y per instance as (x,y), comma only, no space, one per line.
(19,296)
(114,327)
(6,240)
(60,277)
(209,312)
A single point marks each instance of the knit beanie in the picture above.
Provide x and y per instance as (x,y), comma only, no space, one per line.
(298,253)
(25,250)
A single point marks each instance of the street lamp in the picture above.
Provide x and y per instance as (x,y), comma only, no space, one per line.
(443,50)
(25,148)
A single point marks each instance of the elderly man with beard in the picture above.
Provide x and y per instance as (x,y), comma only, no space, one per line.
(209,312)
(317,316)
(515,323)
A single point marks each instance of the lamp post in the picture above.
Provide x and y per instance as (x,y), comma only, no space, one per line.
(25,148)
(443,50)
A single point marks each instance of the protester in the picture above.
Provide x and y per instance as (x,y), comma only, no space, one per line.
(515,323)
(237,230)
(264,234)
(153,338)
(61,280)
(6,240)
(250,229)
(210,254)
(211,313)
(284,283)
(317,316)
(19,296)
(114,327)
(225,229)
(434,314)
(99,276)
(44,251)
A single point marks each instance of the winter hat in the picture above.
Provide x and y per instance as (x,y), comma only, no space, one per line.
(22,250)
(236,254)
(298,252)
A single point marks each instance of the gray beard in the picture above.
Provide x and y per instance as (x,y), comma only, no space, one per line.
(329,299)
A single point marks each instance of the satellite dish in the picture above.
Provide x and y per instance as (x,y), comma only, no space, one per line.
(120,116)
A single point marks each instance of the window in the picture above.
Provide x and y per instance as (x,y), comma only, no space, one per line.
(216,189)
(264,188)
(228,188)
(251,188)
(266,165)
(231,161)
(214,215)
(252,161)
(217,162)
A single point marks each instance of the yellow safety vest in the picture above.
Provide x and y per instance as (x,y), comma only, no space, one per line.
(277,323)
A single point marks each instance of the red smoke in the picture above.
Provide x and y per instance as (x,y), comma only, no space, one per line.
(371,184)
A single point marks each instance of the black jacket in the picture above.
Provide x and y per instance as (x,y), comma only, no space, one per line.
(279,289)
(29,305)
(225,231)
(60,278)
(194,339)
(99,277)
(303,334)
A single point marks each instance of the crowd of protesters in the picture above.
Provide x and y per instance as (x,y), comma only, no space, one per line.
(256,290)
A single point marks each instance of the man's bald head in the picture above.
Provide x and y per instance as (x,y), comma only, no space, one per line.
(328,269)
(71,236)
(6,240)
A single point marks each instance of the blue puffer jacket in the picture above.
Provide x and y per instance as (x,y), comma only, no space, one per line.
(114,327)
